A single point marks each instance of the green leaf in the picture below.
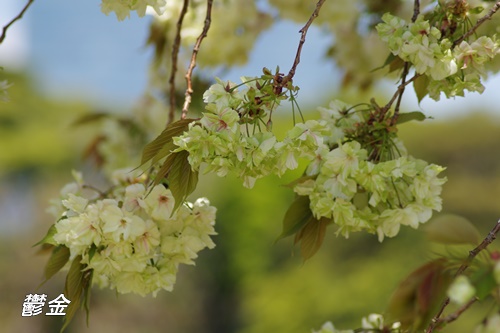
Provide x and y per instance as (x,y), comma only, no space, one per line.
(452,229)
(297,215)
(396,64)
(57,260)
(299,181)
(182,180)
(49,237)
(165,168)
(87,287)
(154,148)
(420,85)
(312,236)
(166,150)
(390,58)
(73,289)
(409,116)
(484,282)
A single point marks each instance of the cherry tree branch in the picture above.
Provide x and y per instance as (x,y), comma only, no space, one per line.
(483,19)
(18,17)
(303,33)
(454,316)
(175,54)
(492,235)
(416,10)
(192,64)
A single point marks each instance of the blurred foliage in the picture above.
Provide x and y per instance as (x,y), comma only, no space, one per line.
(34,129)
(247,284)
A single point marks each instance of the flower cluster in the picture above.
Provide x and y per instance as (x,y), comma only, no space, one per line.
(130,237)
(223,141)
(122,8)
(374,322)
(343,184)
(451,69)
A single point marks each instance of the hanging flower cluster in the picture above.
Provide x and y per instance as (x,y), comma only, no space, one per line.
(232,136)
(451,70)
(131,238)
(359,190)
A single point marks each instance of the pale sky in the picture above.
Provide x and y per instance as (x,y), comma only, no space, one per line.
(75,50)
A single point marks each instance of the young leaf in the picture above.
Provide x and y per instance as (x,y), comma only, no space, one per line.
(299,181)
(182,180)
(87,286)
(484,282)
(409,116)
(418,297)
(49,237)
(396,64)
(73,289)
(420,85)
(452,229)
(166,150)
(297,215)
(57,260)
(390,58)
(174,129)
(165,168)
(312,236)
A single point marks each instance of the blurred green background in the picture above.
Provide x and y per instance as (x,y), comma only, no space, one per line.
(247,284)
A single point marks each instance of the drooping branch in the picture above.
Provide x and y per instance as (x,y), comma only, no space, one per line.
(175,54)
(472,254)
(18,17)
(303,33)
(192,63)
(483,19)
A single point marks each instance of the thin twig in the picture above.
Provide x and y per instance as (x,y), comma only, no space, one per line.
(416,10)
(303,33)
(454,316)
(401,89)
(400,93)
(175,54)
(483,19)
(472,254)
(19,16)
(192,64)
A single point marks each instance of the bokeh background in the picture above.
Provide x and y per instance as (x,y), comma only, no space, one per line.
(67,59)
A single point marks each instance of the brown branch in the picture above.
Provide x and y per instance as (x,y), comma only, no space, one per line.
(175,54)
(401,89)
(492,235)
(416,10)
(400,92)
(397,94)
(483,19)
(192,64)
(18,17)
(303,33)
(454,316)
